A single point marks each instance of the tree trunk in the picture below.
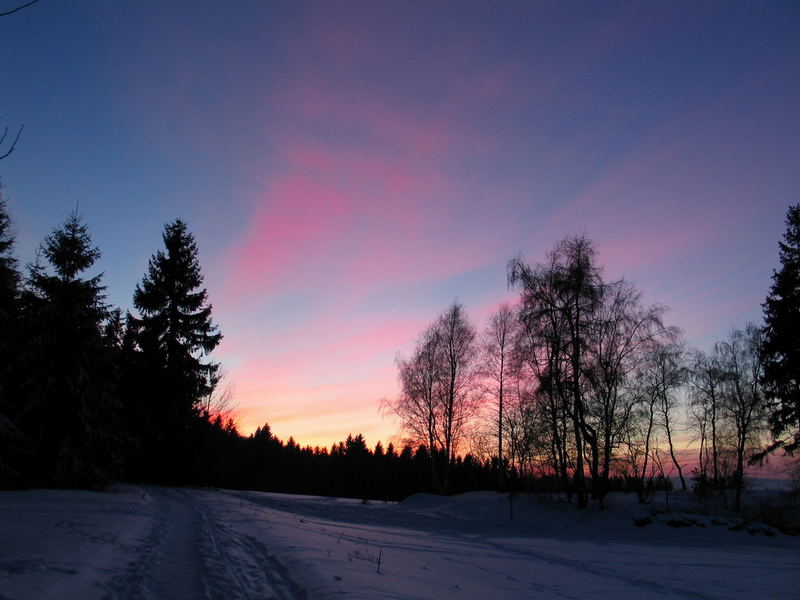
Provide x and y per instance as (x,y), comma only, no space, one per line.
(641,491)
(671,448)
(580,480)
(739,475)
(714,441)
(500,464)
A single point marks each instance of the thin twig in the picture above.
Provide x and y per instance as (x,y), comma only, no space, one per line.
(14,143)
(13,10)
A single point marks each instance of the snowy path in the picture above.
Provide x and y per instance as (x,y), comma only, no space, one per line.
(171,563)
(189,554)
(152,543)
(145,543)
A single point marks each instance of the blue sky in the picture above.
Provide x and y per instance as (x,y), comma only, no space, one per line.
(351,168)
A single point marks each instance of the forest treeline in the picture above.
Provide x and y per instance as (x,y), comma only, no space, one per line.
(582,383)
(578,388)
(89,395)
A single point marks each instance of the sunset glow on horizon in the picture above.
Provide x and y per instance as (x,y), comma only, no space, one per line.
(350,169)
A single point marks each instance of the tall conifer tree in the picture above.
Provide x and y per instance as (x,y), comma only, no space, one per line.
(10,436)
(9,276)
(67,379)
(174,335)
(781,346)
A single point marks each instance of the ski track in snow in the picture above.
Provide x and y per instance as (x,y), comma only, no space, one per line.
(177,549)
(154,542)
(188,554)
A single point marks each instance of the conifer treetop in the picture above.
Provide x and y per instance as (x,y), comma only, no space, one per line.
(69,248)
(170,296)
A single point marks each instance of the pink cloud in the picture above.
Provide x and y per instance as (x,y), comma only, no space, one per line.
(356,217)
(289,231)
(363,197)
(327,346)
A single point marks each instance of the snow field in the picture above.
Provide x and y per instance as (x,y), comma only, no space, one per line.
(153,542)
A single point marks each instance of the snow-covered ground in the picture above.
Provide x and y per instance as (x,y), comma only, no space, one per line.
(151,542)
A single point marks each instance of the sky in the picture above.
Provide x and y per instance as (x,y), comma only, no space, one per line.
(350,169)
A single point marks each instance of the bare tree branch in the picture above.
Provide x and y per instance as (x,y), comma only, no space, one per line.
(5,131)
(13,144)
(20,7)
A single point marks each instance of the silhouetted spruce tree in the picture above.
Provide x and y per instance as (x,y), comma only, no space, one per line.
(11,438)
(134,391)
(9,275)
(67,408)
(780,349)
(173,333)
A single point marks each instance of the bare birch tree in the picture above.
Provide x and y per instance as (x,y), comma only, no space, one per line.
(456,387)
(705,389)
(496,369)
(668,375)
(622,337)
(743,399)
(417,405)
(437,397)
(560,297)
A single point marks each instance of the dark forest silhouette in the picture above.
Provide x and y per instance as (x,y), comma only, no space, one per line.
(582,374)
(89,396)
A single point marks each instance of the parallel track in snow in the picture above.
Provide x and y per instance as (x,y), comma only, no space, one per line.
(187,553)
